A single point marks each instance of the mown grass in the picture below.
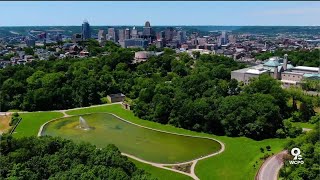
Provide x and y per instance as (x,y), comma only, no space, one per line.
(304,125)
(160,173)
(236,162)
(143,143)
(32,121)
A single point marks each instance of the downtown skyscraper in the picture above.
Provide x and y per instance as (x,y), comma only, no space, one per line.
(86,31)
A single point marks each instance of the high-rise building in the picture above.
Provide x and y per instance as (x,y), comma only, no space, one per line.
(134,33)
(112,35)
(101,36)
(181,38)
(147,30)
(169,34)
(127,34)
(86,32)
(223,38)
(121,35)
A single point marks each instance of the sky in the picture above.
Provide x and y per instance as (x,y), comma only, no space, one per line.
(160,13)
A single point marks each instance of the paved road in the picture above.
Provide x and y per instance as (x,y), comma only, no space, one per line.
(270,168)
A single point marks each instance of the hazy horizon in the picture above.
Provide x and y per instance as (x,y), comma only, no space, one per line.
(176,13)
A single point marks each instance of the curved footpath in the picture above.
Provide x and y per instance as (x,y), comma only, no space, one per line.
(271,167)
(159,165)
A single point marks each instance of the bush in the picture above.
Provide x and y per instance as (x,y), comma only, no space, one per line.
(280,133)
(14,119)
(261,150)
(268,148)
(265,156)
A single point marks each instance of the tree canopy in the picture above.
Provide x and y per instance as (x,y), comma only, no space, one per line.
(56,158)
(192,93)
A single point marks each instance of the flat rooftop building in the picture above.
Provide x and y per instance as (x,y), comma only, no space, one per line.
(278,68)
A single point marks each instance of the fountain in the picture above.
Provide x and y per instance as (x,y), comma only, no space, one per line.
(83,124)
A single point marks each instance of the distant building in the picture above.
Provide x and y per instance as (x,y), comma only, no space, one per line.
(161,35)
(169,34)
(147,30)
(134,33)
(113,98)
(223,38)
(202,41)
(127,34)
(77,38)
(121,35)
(30,42)
(159,43)
(134,43)
(101,36)
(277,68)
(141,56)
(86,31)
(112,35)
(181,37)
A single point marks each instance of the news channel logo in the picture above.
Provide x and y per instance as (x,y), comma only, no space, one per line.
(297,157)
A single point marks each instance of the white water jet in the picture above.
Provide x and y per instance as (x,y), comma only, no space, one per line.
(83,124)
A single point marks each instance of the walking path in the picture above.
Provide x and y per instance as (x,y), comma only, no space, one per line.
(271,167)
(306,129)
(194,162)
(159,165)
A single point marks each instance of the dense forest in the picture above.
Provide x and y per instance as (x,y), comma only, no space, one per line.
(176,89)
(309,145)
(56,158)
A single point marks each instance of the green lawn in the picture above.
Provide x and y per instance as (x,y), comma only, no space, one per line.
(238,159)
(160,173)
(143,143)
(304,125)
(31,122)
(235,163)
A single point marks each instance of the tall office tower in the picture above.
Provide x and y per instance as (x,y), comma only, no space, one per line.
(223,38)
(169,34)
(101,35)
(181,36)
(86,32)
(134,33)
(121,35)
(185,35)
(147,30)
(127,34)
(112,35)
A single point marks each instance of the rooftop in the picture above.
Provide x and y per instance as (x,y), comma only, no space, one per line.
(256,71)
(272,62)
(306,68)
(295,73)
(312,76)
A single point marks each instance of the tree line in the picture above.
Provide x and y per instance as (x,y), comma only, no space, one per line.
(309,146)
(56,158)
(192,93)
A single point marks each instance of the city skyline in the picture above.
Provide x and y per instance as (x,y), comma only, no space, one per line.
(160,13)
